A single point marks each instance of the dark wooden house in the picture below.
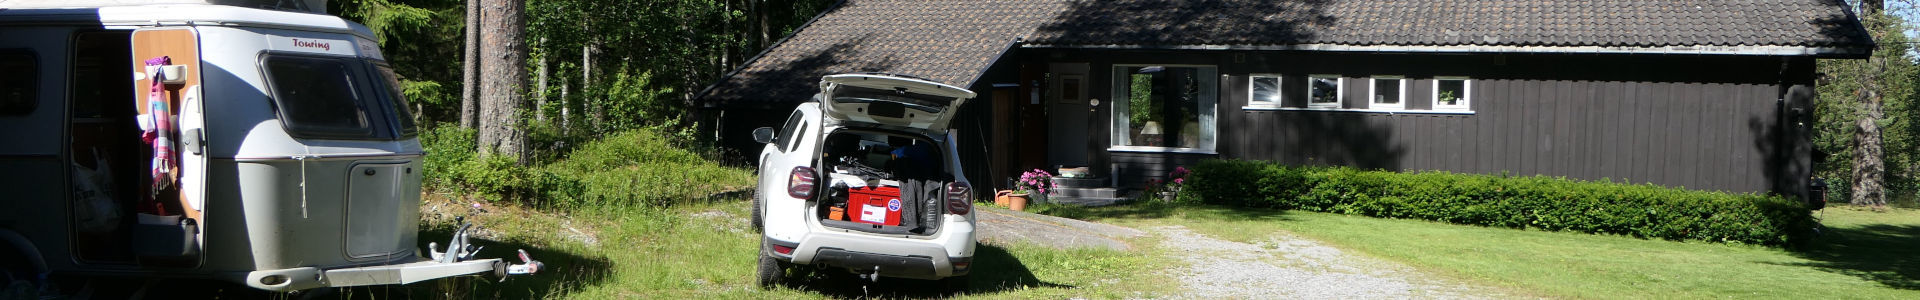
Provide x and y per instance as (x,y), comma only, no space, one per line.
(1712,95)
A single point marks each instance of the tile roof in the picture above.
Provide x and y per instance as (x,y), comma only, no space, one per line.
(949,41)
(1603,23)
(953,41)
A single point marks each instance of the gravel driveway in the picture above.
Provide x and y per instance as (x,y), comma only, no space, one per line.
(1282,267)
(1294,268)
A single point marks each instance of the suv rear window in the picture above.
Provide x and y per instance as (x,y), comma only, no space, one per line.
(890,103)
(334,98)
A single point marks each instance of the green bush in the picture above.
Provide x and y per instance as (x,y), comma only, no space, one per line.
(452,164)
(630,167)
(1546,203)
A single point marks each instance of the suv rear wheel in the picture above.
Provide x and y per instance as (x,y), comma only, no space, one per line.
(772,271)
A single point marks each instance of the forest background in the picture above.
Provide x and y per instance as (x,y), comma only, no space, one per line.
(589,69)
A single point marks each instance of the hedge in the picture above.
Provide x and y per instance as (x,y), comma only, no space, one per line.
(1539,202)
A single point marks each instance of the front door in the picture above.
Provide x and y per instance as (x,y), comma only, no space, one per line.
(1066,100)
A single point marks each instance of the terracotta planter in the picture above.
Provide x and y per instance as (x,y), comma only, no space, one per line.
(1017,202)
(1001,198)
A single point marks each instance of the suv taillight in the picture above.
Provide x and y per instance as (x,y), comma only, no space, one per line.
(959,198)
(800,183)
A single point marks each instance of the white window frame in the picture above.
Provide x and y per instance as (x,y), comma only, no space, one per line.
(1373,93)
(1208,116)
(1279,86)
(1466,100)
(1339,92)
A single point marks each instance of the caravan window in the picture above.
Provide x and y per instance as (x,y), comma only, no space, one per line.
(317,97)
(397,101)
(17,84)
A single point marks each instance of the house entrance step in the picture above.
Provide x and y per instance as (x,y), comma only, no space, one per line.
(1089,182)
(1086,192)
(1088,201)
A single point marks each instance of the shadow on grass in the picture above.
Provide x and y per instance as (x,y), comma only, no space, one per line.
(1878,252)
(1161,210)
(563,273)
(994,270)
(1134,210)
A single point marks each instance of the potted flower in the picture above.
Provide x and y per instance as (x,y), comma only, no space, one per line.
(1030,183)
(1176,180)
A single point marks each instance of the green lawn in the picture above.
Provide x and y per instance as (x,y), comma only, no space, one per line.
(704,251)
(1863,254)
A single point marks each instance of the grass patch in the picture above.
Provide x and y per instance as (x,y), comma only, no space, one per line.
(635,216)
(1862,254)
(704,251)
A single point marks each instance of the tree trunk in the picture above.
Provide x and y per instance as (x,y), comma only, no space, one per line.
(469,69)
(1869,161)
(1869,164)
(503,58)
(540,88)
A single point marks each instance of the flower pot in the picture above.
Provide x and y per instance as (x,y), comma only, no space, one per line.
(1017,202)
(1168,196)
(1001,198)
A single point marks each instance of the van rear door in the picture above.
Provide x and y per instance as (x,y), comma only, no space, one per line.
(892,100)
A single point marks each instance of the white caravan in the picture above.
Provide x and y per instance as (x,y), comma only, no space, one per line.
(259,142)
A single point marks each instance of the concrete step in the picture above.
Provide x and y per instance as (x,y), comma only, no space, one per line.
(1088,201)
(1094,182)
(1086,192)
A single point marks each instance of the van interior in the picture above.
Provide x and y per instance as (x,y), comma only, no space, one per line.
(108,160)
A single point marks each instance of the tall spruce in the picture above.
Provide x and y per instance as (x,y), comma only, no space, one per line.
(503,64)
(470,68)
(1864,111)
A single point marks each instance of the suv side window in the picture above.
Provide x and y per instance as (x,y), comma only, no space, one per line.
(793,143)
(780,137)
(18,82)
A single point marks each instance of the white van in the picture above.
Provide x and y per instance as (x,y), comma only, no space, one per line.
(259,142)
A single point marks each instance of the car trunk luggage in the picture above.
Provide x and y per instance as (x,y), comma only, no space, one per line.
(882,183)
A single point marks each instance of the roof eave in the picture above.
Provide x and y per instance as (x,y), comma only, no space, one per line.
(1822,52)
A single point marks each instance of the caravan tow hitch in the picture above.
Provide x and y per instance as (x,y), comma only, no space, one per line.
(459,249)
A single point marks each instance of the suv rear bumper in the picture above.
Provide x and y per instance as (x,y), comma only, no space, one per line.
(891,257)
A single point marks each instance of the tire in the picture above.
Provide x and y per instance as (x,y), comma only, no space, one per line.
(772,271)
(954,285)
(757,223)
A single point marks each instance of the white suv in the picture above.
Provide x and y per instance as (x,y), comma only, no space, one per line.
(866,178)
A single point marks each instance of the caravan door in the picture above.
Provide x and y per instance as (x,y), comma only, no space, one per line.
(181,89)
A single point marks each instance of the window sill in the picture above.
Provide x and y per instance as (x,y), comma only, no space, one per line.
(1377,111)
(1153,149)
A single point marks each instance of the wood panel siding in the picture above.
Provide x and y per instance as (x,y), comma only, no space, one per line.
(1699,122)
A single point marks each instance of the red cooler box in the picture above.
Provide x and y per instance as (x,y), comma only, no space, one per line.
(875,205)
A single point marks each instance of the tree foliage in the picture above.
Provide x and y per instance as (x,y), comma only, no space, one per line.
(611,65)
(1890,75)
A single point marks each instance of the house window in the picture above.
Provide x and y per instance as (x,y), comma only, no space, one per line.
(1264,90)
(1164,107)
(18,83)
(1323,91)
(1452,93)
(1388,92)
